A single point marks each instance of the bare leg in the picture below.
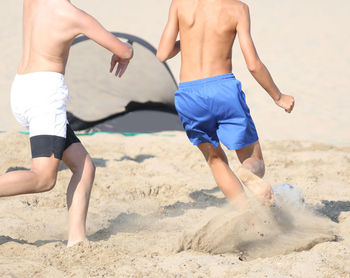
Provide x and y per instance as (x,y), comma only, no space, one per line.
(41,178)
(252,171)
(223,175)
(78,192)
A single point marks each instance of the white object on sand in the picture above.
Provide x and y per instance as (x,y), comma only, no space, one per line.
(290,195)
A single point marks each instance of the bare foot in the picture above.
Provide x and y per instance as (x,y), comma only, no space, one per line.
(261,189)
(72,243)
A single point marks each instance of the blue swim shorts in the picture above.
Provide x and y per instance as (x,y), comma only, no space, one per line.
(213,110)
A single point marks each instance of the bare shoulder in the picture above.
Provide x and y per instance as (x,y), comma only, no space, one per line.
(182,5)
(175,4)
(237,7)
(72,14)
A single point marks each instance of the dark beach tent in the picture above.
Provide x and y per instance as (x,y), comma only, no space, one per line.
(141,101)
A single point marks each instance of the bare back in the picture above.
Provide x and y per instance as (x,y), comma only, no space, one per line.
(47,35)
(207,32)
(49,27)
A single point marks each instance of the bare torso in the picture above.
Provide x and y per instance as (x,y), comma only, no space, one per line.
(46,36)
(207,32)
(49,27)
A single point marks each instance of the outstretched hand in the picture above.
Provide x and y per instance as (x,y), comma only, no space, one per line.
(286,102)
(122,65)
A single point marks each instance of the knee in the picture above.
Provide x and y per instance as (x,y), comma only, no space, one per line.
(256,166)
(45,183)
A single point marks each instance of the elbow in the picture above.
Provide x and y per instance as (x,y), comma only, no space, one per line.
(161,57)
(254,66)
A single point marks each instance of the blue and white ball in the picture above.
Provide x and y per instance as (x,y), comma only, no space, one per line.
(288,195)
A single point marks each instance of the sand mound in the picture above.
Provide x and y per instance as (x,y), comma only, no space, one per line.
(260,232)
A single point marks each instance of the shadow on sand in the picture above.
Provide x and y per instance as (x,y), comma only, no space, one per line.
(332,209)
(133,222)
(139,158)
(38,243)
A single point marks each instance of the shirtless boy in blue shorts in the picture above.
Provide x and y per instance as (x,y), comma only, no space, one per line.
(38,101)
(210,101)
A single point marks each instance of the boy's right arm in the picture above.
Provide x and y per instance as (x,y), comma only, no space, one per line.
(254,64)
(168,45)
(90,27)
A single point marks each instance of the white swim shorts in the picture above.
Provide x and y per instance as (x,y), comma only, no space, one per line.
(38,102)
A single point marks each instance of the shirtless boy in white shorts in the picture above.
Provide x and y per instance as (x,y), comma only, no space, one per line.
(38,101)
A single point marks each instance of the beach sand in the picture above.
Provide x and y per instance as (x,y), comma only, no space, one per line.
(151,192)
(155,210)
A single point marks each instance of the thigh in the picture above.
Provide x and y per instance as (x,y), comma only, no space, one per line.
(75,156)
(46,166)
(251,151)
(209,151)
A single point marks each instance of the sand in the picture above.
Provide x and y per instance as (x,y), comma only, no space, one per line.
(151,191)
(155,210)
(261,232)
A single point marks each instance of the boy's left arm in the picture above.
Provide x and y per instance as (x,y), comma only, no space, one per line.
(169,46)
